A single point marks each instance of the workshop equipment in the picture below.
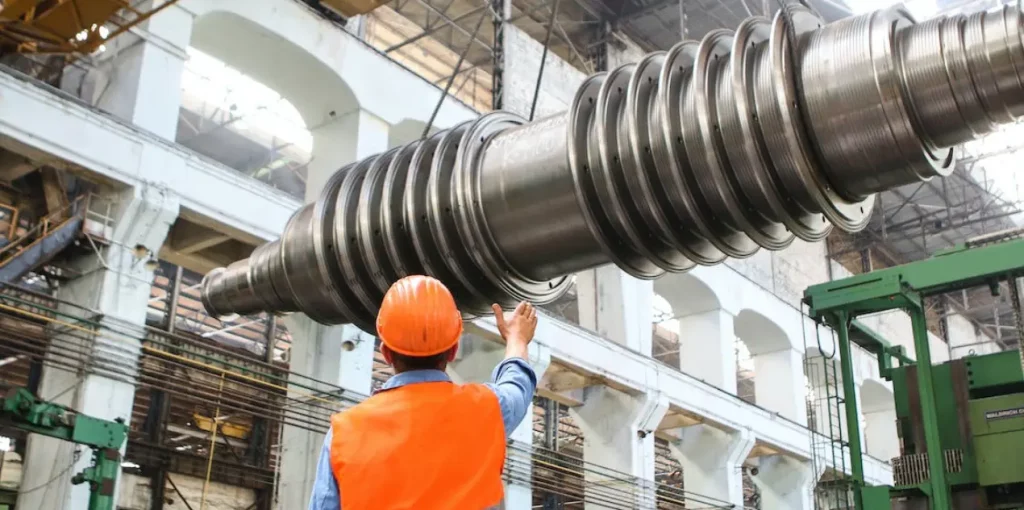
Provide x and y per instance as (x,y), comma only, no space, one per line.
(20,409)
(716,148)
(962,422)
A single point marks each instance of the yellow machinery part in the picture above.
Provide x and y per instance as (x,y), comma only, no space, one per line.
(229,429)
(53,26)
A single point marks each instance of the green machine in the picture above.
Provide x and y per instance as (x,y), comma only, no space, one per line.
(970,411)
(20,409)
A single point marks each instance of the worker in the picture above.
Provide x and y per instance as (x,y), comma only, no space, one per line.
(422,442)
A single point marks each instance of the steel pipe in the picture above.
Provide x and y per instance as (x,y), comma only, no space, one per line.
(746,139)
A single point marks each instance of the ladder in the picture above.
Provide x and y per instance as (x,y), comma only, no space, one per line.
(829,445)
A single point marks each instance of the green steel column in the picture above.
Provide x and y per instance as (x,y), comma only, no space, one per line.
(926,390)
(852,414)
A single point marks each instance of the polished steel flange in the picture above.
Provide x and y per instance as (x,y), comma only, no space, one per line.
(746,139)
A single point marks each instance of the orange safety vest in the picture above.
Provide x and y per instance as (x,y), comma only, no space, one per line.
(424,446)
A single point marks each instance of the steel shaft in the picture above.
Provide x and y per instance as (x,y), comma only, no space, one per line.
(746,139)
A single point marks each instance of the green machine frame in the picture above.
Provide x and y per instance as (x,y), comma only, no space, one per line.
(20,409)
(984,262)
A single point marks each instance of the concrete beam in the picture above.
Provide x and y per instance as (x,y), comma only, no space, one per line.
(188,238)
(617,367)
(60,131)
(14,166)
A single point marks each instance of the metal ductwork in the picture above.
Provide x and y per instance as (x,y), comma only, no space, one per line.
(746,139)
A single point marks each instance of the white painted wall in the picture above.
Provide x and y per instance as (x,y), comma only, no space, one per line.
(522,62)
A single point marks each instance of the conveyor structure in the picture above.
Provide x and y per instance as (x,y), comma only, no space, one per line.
(746,139)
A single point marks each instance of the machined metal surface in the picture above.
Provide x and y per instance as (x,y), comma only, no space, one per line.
(746,139)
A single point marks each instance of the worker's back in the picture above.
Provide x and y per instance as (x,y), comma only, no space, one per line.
(425,446)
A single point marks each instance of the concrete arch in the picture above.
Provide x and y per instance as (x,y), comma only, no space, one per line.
(687,294)
(876,396)
(329,57)
(318,93)
(760,333)
(878,409)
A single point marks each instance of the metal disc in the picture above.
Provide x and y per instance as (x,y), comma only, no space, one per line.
(312,293)
(741,141)
(473,226)
(581,115)
(356,283)
(417,217)
(369,210)
(786,137)
(673,190)
(639,167)
(441,218)
(606,164)
(397,241)
(707,179)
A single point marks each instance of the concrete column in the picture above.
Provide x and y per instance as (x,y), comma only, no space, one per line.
(616,306)
(475,362)
(707,348)
(340,356)
(116,284)
(785,483)
(712,461)
(346,137)
(781,386)
(337,355)
(138,78)
(618,435)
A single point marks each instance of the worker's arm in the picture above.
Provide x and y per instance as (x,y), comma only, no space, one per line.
(513,379)
(325,488)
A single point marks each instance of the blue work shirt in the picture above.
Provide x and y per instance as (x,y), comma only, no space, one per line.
(513,380)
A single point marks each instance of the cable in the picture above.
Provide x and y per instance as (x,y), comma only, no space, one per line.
(55,477)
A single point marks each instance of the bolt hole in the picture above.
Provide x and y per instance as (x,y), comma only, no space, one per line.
(647,149)
(650,79)
(862,210)
(481,138)
(619,89)
(586,168)
(376,232)
(615,159)
(590,100)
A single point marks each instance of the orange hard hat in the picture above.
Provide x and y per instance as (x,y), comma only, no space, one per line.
(418,317)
